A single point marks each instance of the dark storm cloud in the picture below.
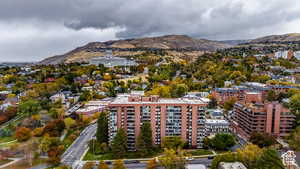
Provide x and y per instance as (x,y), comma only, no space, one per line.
(35,29)
(201,18)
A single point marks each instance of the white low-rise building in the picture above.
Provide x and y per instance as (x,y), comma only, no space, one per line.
(234,165)
(297,55)
(93,107)
(215,126)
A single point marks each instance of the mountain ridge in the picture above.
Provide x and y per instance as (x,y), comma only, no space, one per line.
(138,46)
(181,46)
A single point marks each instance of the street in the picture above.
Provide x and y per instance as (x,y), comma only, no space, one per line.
(192,163)
(72,155)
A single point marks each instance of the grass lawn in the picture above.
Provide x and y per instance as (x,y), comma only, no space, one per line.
(9,144)
(24,164)
(200,152)
(110,156)
(4,161)
(6,139)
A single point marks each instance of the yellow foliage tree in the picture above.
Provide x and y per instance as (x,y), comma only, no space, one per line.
(118,164)
(102,165)
(249,154)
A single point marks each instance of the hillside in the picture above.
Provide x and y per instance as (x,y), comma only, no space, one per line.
(291,37)
(181,46)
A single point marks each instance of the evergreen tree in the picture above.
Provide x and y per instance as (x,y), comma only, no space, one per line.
(213,103)
(144,140)
(119,144)
(102,130)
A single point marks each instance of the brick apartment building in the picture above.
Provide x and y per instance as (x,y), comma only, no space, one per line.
(239,92)
(168,117)
(253,114)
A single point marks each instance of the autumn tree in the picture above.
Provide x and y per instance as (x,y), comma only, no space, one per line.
(53,147)
(118,164)
(152,164)
(171,160)
(103,165)
(69,122)
(226,157)
(23,134)
(119,143)
(37,132)
(54,128)
(172,142)
(144,140)
(249,155)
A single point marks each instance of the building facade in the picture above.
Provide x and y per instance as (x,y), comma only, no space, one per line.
(168,117)
(254,116)
(239,92)
(215,126)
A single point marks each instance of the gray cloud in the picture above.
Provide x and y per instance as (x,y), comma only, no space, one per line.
(214,19)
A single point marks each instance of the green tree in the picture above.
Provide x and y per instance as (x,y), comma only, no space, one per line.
(270,160)
(228,105)
(29,107)
(179,90)
(271,95)
(144,140)
(223,141)
(212,103)
(294,106)
(86,96)
(119,144)
(294,139)
(262,139)
(172,142)
(118,164)
(102,129)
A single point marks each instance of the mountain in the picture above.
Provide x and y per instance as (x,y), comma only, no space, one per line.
(174,45)
(291,37)
(235,42)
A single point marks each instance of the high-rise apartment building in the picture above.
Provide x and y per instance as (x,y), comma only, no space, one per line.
(253,115)
(182,117)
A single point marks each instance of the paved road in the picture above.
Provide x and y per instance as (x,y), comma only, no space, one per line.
(11,121)
(73,154)
(195,162)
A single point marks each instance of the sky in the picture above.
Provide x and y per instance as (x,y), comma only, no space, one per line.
(31,30)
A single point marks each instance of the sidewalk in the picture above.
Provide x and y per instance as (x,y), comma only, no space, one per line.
(15,160)
(147,159)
